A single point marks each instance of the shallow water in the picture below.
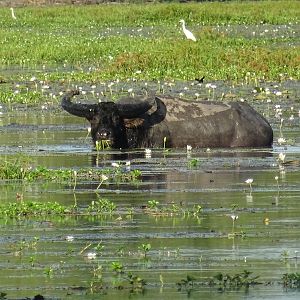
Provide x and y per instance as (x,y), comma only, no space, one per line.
(181,243)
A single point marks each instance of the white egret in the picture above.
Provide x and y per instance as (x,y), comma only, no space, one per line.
(187,33)
(13,13)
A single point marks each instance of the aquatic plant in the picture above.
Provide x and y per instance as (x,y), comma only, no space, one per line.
(49,271)
(186,284)
(99,247)
(98,271)
(148,153)
(237,281)
(91,255)
(21,168)
(291,280)
(31,208)
(193,163)
(145,248)
(101,206)
(137,284)
(234,217)
(153,204)
(117,267)
(24,244)
(249,181)
(75,180)
(189,148)
(103,178)
(277,181)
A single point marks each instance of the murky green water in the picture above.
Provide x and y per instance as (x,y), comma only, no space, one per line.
(47,255)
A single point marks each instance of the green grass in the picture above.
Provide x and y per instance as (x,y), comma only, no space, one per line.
(92,43)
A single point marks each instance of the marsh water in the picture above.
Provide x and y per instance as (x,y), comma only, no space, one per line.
(238,228)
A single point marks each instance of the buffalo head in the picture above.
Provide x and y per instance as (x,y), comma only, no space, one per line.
(109,120)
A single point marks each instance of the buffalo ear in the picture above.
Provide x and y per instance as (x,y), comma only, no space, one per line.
(133,123)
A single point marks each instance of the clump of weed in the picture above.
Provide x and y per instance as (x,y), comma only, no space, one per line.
(31,208)
(21,168)
(123,279)
(291,280)
(193,163)
(145,248)
(101,206)
(234,282)
(186,284)
(154,208)
(18,168)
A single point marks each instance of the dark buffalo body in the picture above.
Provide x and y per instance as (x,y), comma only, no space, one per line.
(146,122)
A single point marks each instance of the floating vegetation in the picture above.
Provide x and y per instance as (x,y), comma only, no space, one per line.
(153,208)
(291,280)
(193,163)
(101,206)
(32,208)
(186,284)
(21,169)
(226,282)
(35,209)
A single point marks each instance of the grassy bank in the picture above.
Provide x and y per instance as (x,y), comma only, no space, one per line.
(116,41)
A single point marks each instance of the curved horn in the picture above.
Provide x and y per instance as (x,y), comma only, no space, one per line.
(130,107)
(77,109)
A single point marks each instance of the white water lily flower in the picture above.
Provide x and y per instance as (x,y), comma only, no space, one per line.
(70,238)
(148,153)
(91,255)
(104,177)
(234,217)
(281,156)
(249,181)
(281,140)
(189,148)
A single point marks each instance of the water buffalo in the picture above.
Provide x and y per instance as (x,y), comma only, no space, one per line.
(149,121)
